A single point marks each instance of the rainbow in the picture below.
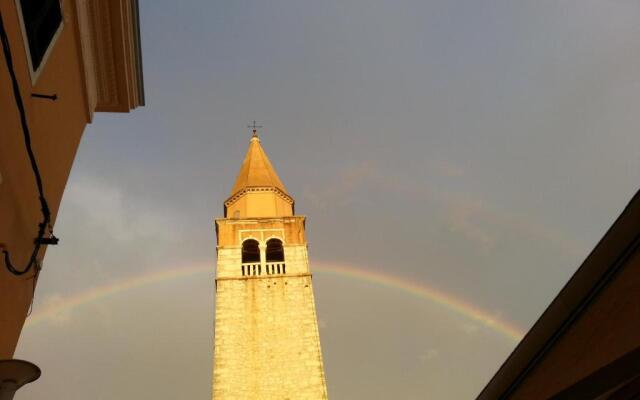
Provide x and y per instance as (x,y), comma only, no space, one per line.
(429,293)
(95,294)
(420,290)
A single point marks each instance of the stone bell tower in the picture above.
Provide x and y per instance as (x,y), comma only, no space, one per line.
(267,344)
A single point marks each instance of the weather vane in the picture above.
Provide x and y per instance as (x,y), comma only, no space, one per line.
(254,127)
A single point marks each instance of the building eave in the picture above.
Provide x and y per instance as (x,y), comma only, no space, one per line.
(111,54)
(138,53)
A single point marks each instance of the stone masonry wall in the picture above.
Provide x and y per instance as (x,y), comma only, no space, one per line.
(267,344)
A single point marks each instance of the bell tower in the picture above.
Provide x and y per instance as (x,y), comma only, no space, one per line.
(267,344)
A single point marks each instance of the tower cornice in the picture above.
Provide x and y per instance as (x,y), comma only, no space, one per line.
(234,197)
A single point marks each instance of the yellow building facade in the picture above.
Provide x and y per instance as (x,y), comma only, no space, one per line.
(60,62)
(267,344)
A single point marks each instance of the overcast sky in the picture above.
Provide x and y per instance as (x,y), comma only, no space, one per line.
(479,147)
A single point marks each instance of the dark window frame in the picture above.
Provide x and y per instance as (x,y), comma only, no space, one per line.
(39,39)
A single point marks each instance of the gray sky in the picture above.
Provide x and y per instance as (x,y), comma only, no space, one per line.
(482,148)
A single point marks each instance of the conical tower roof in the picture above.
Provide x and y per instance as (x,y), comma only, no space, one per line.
(256,170)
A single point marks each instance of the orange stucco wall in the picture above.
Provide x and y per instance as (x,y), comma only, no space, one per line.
(609,328)
(56,128)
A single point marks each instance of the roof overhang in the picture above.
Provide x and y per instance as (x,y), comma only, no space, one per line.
(109,35)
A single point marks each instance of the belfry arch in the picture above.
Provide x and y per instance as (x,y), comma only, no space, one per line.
(275,251)
(250,251)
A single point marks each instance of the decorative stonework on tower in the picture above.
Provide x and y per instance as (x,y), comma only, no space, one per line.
(266,342)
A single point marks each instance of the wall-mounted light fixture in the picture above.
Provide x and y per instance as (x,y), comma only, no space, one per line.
(14,374)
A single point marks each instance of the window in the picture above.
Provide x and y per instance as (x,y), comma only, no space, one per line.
(275,252)
(250,251)
(42,19)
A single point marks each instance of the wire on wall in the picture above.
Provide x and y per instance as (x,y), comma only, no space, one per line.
(46,213)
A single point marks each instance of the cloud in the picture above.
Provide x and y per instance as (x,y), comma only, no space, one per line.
(479,223)
(485,226)
(465,214)
(470,328)
(464,218)
(340,190)
(429,355)
(123,218)
(446,168)
(60,315)
(106,233)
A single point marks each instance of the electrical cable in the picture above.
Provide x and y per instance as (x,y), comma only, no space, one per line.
(46,213)
(34,278)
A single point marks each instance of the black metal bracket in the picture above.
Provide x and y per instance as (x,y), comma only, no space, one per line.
(51,240)
(53,97)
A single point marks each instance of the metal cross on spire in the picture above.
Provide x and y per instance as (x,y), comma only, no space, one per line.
(254,127)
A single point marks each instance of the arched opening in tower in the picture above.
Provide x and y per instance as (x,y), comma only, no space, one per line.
(275,251)
(250,251)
